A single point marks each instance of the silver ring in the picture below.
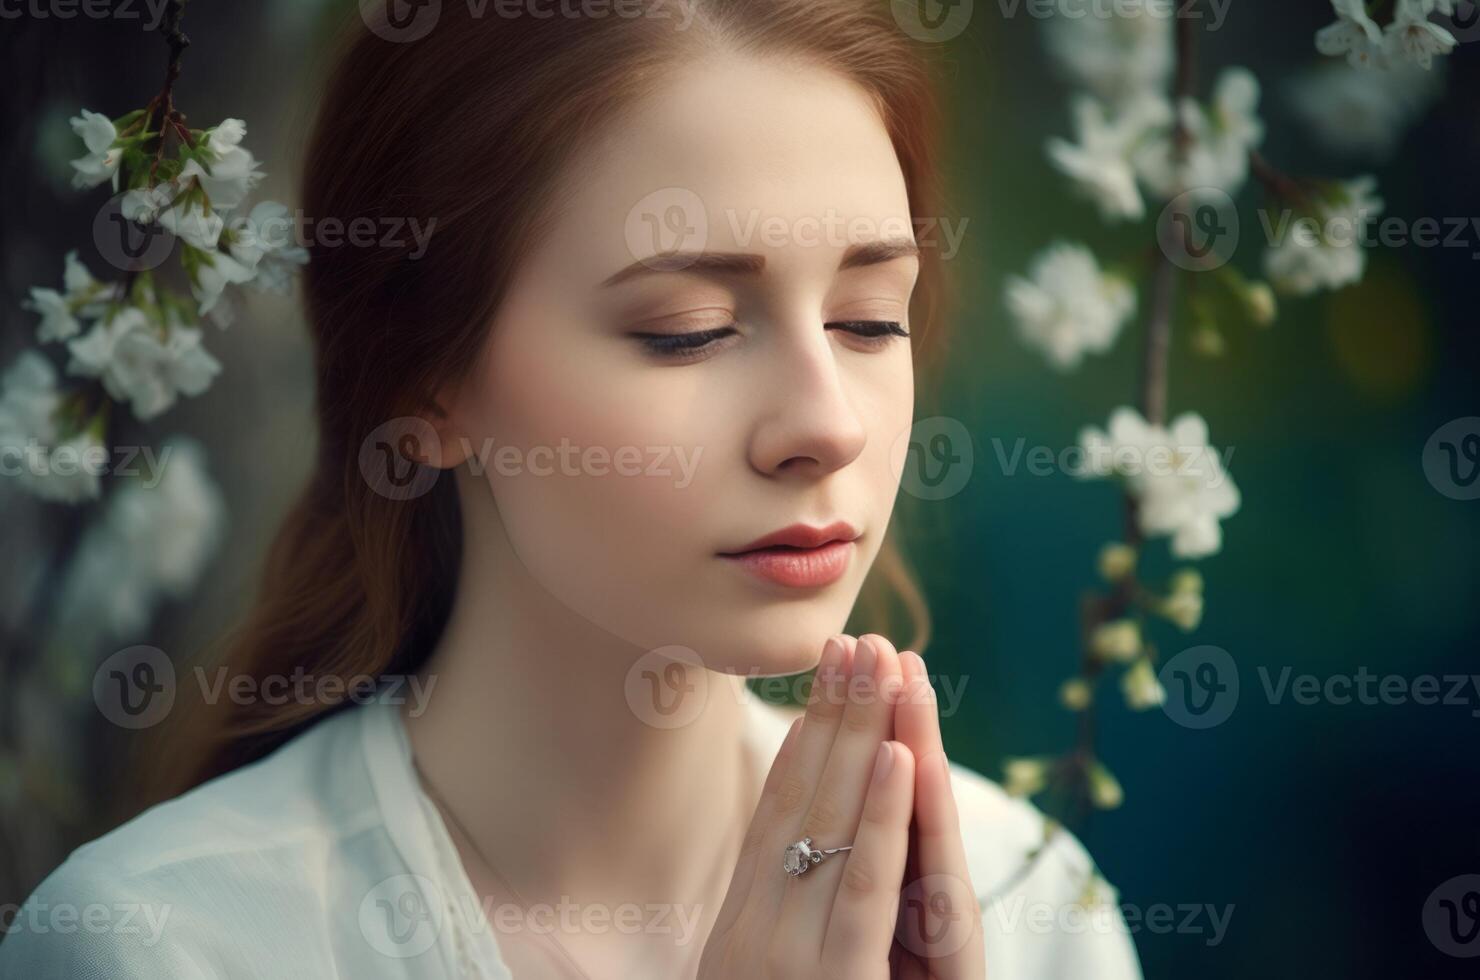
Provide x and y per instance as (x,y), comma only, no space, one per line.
(801,856)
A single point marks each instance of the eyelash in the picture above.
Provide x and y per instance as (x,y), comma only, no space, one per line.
(877,332)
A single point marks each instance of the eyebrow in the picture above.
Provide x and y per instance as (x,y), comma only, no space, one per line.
(747,263)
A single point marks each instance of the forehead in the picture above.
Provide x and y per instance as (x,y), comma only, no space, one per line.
(734,154)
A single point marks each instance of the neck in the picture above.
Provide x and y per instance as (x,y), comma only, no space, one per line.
(536,736)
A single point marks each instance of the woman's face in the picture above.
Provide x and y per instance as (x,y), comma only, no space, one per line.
(631,460)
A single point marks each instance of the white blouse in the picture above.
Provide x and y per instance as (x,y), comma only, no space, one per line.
(326,859)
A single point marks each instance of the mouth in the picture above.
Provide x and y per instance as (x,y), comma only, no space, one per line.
(799,556)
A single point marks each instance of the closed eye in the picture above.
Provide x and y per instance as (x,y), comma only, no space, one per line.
(876,333)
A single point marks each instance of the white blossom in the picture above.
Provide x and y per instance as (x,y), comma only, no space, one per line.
(81,295)
(1413,37)
(141,362)
(65,470)
(1100,163)
(264,246)
(1329,255)
(155,538)
(1069,307)
(177,211)
(1176,477)
(210,278)
(1362,113)
(102,160)
(232,171)
(1353,34)
(1219,139)
(1118,57)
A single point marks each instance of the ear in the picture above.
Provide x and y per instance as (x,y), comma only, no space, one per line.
(442,417)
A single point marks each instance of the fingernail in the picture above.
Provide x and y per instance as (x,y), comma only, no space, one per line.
(832,656)
(864,658)
(883,762)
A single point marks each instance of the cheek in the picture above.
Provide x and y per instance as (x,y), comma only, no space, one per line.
(600,481)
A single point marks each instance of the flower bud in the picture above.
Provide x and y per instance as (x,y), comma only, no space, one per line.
(1116,561)
(1187,580)
(1075,694)
(1104,788)
(1260,302)
(1118,641)
(1184,608)
(1025,776)
(1141,687)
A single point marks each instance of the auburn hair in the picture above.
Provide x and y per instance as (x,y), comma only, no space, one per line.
(472,124)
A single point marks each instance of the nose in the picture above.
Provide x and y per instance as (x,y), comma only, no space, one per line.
(807,423)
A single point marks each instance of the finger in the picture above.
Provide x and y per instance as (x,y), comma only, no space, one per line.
(814,741)
(752,848)
(860,927)
(837,805)
(948,929)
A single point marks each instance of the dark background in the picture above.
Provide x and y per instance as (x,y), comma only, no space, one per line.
(1327,827)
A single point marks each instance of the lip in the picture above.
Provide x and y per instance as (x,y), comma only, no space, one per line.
(799,556)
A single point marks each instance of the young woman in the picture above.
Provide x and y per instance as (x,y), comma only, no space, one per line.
(628,430)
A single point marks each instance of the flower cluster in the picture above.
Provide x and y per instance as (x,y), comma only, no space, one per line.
(1178,481)
(1326,252)
(1068,307)
(1410,37)
(139,342)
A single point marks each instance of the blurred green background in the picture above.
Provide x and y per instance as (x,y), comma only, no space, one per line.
(1326,827)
